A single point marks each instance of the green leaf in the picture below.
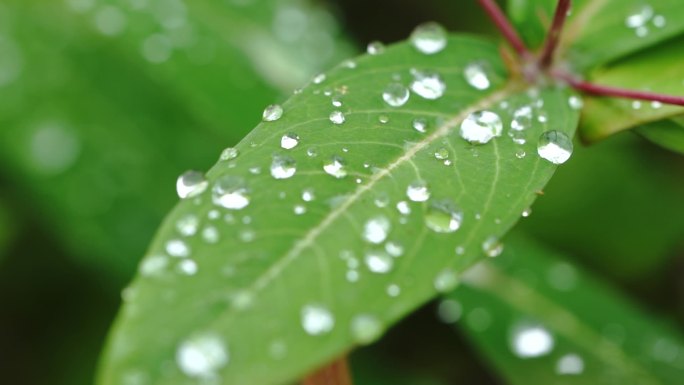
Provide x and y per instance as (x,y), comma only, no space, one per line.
(541,320)
(658,70)
(94,133)
(597,31)
(249,279)
(666,133)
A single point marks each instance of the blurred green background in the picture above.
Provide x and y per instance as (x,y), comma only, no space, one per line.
(104,103)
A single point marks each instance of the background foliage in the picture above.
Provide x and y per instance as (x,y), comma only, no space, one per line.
(97,121)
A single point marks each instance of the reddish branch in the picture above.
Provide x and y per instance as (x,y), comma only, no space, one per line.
(546,58)
(507,30)
(335,373)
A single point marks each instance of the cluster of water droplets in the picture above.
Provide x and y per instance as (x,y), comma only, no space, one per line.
(643,19)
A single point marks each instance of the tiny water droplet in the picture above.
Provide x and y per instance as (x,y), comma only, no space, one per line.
(378,261)
(383,119)
(442,154)
(283,167)
(520,154)
(272,113)
(187,267)
(575,102)
(190,184)
(393,290)
(403,208)
(418,191)
(394,249)
(527,212)
(177,248)
(480,127)
(522,118)
(395,95)
(317,320)
(335,167)
(531,341)
(299,209)
(476,75)
(153,265)
(428,85)
(337,117)
(229,153)
(419,124)
(308,195)
(230,192)
(376,229)
(187,225)
(554,146)
(443,217)
(492,247)
(375,48)
(289,141)
(210,234)
(318,79)
(429,38)
(365,328)
(202,356)
(311,152)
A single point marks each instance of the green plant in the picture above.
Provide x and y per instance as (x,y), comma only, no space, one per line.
(392,179)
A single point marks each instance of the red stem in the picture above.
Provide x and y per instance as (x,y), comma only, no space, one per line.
(508,31)
(335,373)
(553,36)
(601,90)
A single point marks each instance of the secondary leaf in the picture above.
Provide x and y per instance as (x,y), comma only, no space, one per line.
(326,225)
(667,133)
(542,320)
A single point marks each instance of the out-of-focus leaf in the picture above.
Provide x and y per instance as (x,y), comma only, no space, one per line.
(614,182)
(668,133)
(95,128)
(7,228)
(658,69)
(542,320)
(601,31)
(294,244)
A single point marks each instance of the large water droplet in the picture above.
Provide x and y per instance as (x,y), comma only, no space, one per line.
(365,328)
(531,341)
(190,184)
(428,85)
(272,113)
(378,261)
(418,191)
(480,127)
(395,95)
(446,281)
(317,320)
(289,141)
(376,229)
(335,167)
(337,117)
(283,167)
(429,38)
(476,75)
(443,217)
(554,146)
(230,192)
(202,356)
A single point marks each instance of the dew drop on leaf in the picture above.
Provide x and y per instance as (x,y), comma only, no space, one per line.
(272,113)
(190,184)
(418,191)
(337,117)
(229,153)
(177,248)
(210,234)
(289,141)
(428,85)
(378,261)
(442,154)
(446,281)
(187,267)
(531,341)
(365,328)
(230,192)
(187,225)
(376,229)
(429,38)
(570,364)
(419,124)
(443,217)
(481,126)
(476,75)
(318,79)
(153,265)
(522,118)
(283,167)
(554,146)
(395,95)
(375,48)
(317,320)
(492,247)
(202,356)
(394,249)
(335,167)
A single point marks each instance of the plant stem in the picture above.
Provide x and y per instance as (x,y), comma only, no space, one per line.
(546,58)
(502,23)
(601,90)
(335,373)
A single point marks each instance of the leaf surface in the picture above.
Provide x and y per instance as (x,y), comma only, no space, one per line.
(667,133)
(305,264)
(540,319)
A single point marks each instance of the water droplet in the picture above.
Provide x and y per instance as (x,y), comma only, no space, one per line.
(378,261)
(527,212)
(311,152)
(428,85)
(376,229)
(272,113)
(492,247)
(429,38)
(337,117)
(283,167)
(570,364)
(418,191)
(383,119)
(153,265)
(575,102)
(177,248)
(394,249)
(531,341)
(317,320)
(442,154)
(480,127)
(522,118)
(554,146)
(289,141)
(659,21)
(350,64)
(210,234)
(449,311)
(395,95)
(393,290)
(229,153)
(202,356)
(446,281)
(639,18)
(365,328)
(476,75)
(230,192)
(419,124)
(403,208)
(318,79)
(308,195)
(336,167)
(375,48)
(190,184)
(187,225)
(460,250)
(443,217)
(299,209)
(187,267)
(352,276)
(520,154)
(656,104)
